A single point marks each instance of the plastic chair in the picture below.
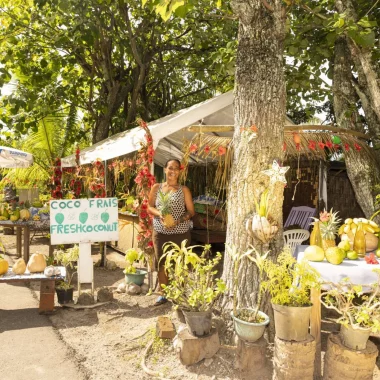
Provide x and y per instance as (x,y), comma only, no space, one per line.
(300,216)
(295,237)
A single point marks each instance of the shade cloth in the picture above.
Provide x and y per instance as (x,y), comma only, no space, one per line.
(12,158)
(358,271)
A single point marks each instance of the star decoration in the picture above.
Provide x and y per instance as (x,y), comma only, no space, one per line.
(277,173)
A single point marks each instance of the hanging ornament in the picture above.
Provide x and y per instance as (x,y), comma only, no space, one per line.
(277,173)
(357,147)
(329,144)
(346,147)
(296,138)
(321,145)
(312,144)
(336,140)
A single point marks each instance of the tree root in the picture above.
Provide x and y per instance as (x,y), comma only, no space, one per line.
(148,371)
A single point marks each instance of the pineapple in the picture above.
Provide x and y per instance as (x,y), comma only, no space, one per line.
(165,208)
(329,227)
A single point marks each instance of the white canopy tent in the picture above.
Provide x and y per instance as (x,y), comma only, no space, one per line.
(12,158)
(168,133)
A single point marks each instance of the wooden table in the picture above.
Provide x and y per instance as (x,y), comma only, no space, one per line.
(47,286)
(358,271)
(19,227)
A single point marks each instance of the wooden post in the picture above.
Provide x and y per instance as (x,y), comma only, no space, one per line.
(251,359)
(294,360)
(18,241)
(315,329)
(26,242)
(343,363)
(47,291)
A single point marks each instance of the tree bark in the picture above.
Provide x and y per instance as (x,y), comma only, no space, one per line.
(361,168)
(364,57)
(260,100)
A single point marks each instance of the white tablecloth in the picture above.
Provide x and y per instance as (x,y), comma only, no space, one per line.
(358,271)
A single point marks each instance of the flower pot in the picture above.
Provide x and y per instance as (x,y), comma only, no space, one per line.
(198,322)
(136,278)
(249,331)
(64,295)
(179,315)
(291,322)
(356,339)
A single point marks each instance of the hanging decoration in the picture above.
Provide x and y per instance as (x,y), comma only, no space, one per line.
(297,140)
(276,173)
(336,140)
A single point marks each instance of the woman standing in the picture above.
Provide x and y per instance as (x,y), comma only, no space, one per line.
(182,210)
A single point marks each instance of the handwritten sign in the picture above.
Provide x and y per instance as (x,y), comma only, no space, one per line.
(83,220)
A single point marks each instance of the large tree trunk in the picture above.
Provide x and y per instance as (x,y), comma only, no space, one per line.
(259,100)
(361,168)
(363,56)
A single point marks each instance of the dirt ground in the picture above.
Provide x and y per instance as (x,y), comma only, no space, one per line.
(109,341)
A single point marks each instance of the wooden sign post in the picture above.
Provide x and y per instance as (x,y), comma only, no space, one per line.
(84,221)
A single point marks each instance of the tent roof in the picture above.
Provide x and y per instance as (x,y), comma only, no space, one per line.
(168,132)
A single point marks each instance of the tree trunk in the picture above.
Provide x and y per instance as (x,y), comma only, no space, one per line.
(361,168)
(364,56)
(259,100)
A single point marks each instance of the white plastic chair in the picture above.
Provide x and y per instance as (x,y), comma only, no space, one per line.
(295,237)
(300,216)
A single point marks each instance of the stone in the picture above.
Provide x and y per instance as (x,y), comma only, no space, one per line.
(208,362)
(104,295)
(165,328)
(121,288)
(133,289)
(144,288)
(86,299)
(111,265)
(193,349)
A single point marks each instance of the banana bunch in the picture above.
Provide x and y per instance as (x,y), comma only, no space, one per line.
(3,218)
(36,218)
(350,226)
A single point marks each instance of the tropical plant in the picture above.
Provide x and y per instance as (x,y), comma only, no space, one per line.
(288,281)
(67,258)
(259,260)
(358,307)
(192,283)
(131,256)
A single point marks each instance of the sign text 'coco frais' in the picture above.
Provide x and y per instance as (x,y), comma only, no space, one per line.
(83,220)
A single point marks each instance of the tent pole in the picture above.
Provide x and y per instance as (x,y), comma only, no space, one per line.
(105,188)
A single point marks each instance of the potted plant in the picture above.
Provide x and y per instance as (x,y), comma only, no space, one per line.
(289,283)
(249,323)
(132,274)
(359,312)
(192,284)
(67,258)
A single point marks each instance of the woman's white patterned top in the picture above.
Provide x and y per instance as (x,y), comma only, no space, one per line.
(178,208)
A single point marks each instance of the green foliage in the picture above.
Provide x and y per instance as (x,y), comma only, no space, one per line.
(67,258)
(192,285)
(356,308)
(131,255)
(288,281)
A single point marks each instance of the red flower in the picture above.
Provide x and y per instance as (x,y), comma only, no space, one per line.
(312,144)
(150,244)
(143,215)
(216,212)
(357,147)
(346,147)
(222,150)
(207,149)
(321,145)
(284,147)
(329,144)
(253,128)
(193,148)
(182,167)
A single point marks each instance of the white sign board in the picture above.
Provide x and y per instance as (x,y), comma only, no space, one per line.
(83,220)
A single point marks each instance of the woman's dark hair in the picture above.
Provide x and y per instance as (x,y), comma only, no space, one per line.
(172,159)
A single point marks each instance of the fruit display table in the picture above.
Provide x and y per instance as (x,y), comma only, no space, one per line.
(47,286)
(358,271)
(19,227)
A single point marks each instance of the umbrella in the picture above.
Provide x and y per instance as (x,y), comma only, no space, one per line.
(13,158)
